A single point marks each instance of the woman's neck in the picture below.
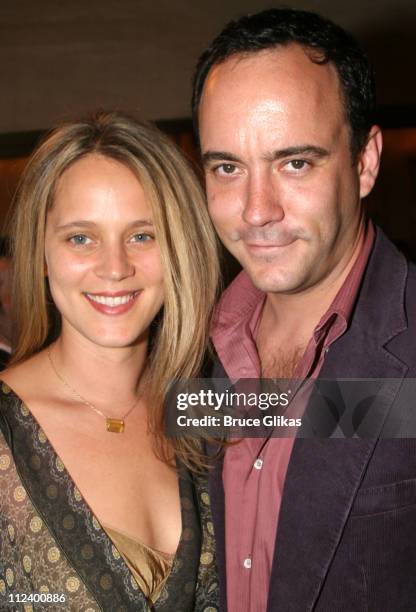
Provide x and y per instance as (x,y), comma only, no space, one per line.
(101,375)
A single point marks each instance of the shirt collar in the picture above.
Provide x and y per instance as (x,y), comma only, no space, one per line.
(239,310)
(343,303)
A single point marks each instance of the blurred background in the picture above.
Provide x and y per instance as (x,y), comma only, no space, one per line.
(62,59)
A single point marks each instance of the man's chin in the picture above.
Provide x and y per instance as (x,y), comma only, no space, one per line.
(273,281)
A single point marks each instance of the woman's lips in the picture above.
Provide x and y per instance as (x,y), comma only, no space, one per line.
(113,303)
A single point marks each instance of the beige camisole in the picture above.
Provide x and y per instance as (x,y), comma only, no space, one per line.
(150,567)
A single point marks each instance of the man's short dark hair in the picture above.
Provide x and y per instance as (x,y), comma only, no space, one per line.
(323,42)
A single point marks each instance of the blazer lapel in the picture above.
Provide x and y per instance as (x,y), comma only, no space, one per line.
(321,483)
(324,474)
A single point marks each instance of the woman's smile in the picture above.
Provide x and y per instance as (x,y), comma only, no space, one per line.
(113,303)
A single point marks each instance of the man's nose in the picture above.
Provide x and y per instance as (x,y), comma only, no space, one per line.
(262,203)
(114,263)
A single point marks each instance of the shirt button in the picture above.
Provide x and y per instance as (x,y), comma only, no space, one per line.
(258,464)
(247,563)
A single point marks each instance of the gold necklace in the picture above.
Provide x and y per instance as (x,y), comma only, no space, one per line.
(112,425)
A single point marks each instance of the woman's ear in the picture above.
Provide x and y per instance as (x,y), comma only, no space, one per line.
(369,161)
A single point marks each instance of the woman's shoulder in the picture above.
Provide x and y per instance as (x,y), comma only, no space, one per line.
(22,379)
(9,387)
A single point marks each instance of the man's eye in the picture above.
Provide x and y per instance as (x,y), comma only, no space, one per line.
(297,164)
(80,240)
(225,169)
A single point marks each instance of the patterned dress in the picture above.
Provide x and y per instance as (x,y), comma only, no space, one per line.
(54,554)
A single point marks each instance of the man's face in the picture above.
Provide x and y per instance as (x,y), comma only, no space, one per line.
(283,191)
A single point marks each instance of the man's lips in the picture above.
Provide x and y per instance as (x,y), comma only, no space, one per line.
(113,303)
(259,247)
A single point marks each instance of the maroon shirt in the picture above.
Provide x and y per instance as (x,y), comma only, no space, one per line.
(255,469)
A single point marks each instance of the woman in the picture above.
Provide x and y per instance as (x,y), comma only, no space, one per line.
(115,278)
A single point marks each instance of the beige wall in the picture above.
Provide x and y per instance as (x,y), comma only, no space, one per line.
(59,59)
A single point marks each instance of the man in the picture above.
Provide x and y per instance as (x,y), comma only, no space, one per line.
(283,101)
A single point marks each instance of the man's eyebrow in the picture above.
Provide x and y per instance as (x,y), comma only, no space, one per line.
(311,150)
(225,156)
(210,156)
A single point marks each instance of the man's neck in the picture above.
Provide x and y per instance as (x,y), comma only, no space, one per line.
(288,321)
(301,312)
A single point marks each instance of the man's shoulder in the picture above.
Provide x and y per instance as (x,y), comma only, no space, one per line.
(400,301)
(390,278)
(388,269)
(411,277)
(410,296)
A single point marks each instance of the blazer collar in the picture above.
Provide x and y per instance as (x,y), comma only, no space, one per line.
(380,313)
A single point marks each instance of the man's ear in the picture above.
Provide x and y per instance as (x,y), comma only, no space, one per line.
(369,161)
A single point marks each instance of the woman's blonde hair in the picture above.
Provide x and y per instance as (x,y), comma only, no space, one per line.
(183,230)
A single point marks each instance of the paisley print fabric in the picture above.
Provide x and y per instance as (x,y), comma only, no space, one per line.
(51,542)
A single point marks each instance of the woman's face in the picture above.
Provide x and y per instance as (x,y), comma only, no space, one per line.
(102,260)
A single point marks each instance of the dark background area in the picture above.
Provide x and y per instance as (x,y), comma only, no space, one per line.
(60,60)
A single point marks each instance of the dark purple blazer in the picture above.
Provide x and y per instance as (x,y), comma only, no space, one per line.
(346,538)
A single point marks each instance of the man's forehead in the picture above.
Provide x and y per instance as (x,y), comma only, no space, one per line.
(288,68)
(276,94)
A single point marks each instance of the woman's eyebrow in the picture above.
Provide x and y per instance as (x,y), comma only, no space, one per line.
(82,223)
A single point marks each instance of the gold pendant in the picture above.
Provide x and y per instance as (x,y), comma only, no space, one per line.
(115,425)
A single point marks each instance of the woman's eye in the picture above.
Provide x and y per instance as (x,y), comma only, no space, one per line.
(142,238)
(80,240)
